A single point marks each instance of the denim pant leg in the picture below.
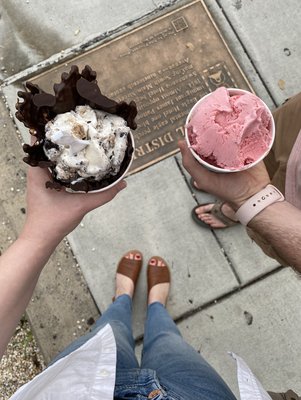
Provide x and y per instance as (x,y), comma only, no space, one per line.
(180,369)
(119,316)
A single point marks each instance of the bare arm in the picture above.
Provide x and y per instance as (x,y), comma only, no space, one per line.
(279,224)
(50,216)
(20,267)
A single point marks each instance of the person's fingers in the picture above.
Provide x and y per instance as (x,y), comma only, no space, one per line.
(39,175)
(199,173)
(189,162)
(117,188)
(98,199)
(186,153)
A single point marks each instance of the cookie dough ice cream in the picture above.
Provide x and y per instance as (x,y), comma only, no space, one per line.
(86,143)
(230,131)
(83,137)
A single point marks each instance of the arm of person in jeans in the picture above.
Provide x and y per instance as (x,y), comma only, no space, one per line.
(279,223)
(50,216)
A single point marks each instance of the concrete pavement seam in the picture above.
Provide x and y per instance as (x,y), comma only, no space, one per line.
(246,52)
(221,298)
(89,44)
(235,273)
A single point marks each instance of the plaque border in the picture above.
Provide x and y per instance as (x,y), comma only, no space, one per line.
(142,26)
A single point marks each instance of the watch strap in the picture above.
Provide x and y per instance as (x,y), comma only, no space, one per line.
(258,202)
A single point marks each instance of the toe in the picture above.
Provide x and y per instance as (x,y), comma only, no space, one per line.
(133,255)
(205,217)
(204,209)
(212,221)
(129,255)
(157,261)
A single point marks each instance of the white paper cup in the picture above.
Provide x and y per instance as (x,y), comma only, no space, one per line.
(117,180)
(232,92)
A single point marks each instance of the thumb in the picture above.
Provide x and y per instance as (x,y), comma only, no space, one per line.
(111,193)
(189,162)
(120,186)
(183,147)
(198,173)
(98,199)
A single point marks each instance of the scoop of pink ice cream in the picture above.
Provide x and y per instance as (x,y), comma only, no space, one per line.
(230,131)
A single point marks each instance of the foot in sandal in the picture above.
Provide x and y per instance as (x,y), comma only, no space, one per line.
(127,273)
(158,280)
(216,215)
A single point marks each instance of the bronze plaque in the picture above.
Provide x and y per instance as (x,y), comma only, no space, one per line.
(165,65)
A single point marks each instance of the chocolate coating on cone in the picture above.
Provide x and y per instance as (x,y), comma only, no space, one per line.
(75,88)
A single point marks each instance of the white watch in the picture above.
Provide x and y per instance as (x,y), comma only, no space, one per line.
(258,202)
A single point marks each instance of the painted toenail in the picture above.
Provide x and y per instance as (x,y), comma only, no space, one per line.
(153,261)
(137,257)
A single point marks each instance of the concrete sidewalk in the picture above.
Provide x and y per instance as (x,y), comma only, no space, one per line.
(226,295)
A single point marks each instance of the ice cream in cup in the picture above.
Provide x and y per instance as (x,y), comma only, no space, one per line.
(81,136)
(229,130)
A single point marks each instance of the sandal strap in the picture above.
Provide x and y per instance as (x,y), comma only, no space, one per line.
(129,268)
(217,212)
(289,395)
(157,275)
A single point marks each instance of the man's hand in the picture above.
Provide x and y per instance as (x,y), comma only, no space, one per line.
(234,187)
(52,214)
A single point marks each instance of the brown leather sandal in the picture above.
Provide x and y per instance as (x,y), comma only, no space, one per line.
(289,395)
(130,267)
(156,275)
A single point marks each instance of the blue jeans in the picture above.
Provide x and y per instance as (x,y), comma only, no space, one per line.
(170,368)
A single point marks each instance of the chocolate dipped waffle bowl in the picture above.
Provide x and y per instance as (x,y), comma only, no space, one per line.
(82,137)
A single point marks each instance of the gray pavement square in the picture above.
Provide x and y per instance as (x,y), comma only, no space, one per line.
(270,34)
(259,324)
(62,27)
(153,216)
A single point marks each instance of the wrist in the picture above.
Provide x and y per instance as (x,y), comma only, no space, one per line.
(41,238)
(257,203)
(244,197)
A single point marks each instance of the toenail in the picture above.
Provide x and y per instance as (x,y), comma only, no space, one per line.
(137,257)
(153,261)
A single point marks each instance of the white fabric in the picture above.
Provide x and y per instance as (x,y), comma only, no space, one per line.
(89,372)
(86,373)
(249,386)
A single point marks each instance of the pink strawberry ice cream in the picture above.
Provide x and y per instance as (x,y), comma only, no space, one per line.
(230,131)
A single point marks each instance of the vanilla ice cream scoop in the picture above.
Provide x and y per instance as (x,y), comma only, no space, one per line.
(86,143)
